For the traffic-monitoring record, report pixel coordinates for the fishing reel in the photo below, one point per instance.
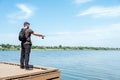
(42, 37)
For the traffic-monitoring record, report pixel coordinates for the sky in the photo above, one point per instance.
(94, 23)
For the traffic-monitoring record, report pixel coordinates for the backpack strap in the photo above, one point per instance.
(23, 29)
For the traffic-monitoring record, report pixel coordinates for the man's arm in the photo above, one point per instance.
(37, 34)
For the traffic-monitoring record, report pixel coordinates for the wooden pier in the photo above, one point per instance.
(12, 71)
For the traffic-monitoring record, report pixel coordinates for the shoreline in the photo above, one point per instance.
(63, 50)
(8, 47)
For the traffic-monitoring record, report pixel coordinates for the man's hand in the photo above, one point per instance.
(43, 35)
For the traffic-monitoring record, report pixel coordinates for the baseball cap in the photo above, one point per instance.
(26, 23)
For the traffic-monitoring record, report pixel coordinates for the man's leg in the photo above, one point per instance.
(22, 58)
(27, 53)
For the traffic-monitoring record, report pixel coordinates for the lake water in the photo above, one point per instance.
(74, 64)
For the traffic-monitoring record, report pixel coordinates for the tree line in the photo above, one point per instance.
(60, 47)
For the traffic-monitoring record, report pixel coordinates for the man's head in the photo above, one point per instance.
(26, 24)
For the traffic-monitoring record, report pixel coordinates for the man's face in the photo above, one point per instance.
(27, 25)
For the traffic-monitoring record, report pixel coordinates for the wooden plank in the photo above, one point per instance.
(51, 76)
(56, 79)
(12, 70)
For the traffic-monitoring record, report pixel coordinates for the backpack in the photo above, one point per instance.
(22, 36)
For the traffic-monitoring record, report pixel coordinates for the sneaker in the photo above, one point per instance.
(22, 67)
(29, 67)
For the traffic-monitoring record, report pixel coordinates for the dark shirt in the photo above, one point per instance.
(28, 33)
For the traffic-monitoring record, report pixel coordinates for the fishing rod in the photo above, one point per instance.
(46, 35)
(52, 35)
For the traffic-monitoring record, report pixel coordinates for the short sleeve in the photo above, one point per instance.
(31, 31)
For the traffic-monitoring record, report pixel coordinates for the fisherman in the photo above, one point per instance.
(26, 45)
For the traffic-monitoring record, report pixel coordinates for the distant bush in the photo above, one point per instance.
(60, 47)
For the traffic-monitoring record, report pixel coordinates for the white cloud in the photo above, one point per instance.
(98, 11)
(24, 12)
(82, 1)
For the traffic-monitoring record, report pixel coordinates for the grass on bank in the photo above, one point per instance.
(60, 47)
